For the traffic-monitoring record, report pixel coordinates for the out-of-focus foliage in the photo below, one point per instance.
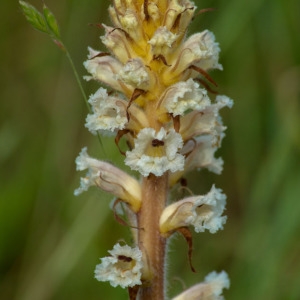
(50, 241)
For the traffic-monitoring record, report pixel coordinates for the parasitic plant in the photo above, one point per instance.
(158, 97)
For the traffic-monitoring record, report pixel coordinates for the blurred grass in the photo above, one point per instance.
(50, 240)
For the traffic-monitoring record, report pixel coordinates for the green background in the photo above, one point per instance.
(50, 240)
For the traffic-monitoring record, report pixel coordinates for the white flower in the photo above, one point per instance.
(210, 289)
(202, 212)
(183, 96)
(135, 74)
(205, 121)
(223, 101)
(199, 50)
(104, 68)
(202, 154)
(211, 59)
(109, 113)
(162, 41)
(207, 211)
(109, 178)
(123, 267)
(156, 153)
(83, 161)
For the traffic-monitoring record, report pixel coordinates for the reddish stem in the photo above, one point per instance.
(151, 243)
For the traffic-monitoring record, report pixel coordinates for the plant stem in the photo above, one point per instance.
(82, 90)
(78, 80)
(151, 243)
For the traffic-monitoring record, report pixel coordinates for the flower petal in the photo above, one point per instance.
(122, 268)
(156, 153)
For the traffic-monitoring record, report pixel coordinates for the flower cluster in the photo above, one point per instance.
(160, 98)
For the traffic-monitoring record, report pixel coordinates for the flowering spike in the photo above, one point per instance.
(162, 109)
(171, 126)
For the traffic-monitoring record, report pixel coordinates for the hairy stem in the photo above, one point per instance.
(151, 243)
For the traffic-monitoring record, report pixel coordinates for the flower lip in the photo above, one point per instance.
(109, 113)
(162, 41)
(135, 73)
(156, 152)
(123, 267)
(202, 212)
(184, 96)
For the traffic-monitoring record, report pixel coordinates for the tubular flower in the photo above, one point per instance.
(162, 41)
(202, 212)
(202, 132)
(200, 50)
(109, 113)
(206, 121)
(210, 289)
(135, 74)
(103, 68)
(108, 178)
(156, 153)
(122, 268)
(184, 96)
